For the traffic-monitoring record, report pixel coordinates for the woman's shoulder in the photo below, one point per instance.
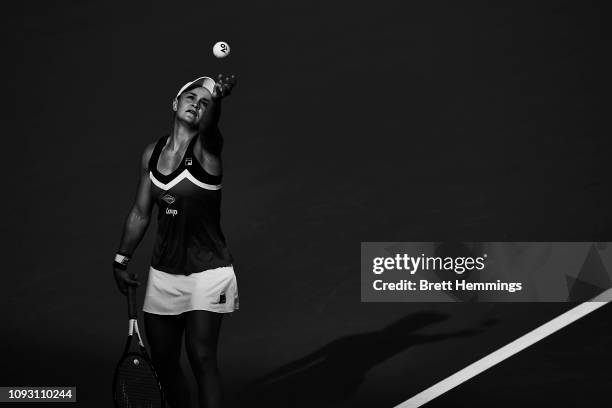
(210, 162)
(148, 152)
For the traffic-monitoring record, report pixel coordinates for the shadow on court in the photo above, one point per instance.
(333, 373)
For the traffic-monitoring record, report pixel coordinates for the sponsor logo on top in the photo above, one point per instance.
(168, 198)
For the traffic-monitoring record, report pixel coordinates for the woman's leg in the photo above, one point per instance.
(201, 335)
(164, 334)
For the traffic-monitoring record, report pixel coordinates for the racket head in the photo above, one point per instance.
(135, 383)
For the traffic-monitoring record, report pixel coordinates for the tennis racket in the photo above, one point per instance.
(135, 383)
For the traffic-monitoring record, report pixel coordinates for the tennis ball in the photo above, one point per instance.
(136, 362)
(221, 49)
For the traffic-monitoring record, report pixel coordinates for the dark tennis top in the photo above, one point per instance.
(189, 237)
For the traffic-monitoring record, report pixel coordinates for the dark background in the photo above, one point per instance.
(377, 121)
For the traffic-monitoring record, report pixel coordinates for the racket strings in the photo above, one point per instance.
(136, 385)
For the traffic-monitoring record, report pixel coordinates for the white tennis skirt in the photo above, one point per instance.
(215, 290)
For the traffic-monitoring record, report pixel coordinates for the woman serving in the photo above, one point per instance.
(191, 279)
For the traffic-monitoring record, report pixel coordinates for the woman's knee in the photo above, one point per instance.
(201, 355)
(201, 335)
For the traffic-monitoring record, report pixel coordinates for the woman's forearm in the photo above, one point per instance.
(136, 225)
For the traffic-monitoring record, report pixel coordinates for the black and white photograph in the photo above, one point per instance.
(322, 204)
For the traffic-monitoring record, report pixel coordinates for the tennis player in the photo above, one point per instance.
(191, 280)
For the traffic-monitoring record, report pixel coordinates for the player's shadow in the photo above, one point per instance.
(334, 372)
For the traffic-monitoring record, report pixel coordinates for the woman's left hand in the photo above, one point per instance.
(223, 86)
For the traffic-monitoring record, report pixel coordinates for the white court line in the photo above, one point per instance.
(508, 350)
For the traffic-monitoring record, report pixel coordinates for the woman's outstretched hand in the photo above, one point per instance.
(223, 86)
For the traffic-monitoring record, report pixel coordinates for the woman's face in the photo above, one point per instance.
(192, 104)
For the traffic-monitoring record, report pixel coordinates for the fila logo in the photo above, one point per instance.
(168, 198)
(171, 211)
(188, 161)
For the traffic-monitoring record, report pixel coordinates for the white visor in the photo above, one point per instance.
(204, 82)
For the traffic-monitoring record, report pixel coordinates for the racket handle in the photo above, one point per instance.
(131, 298)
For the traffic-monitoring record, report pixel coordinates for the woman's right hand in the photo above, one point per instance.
(125, 279)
